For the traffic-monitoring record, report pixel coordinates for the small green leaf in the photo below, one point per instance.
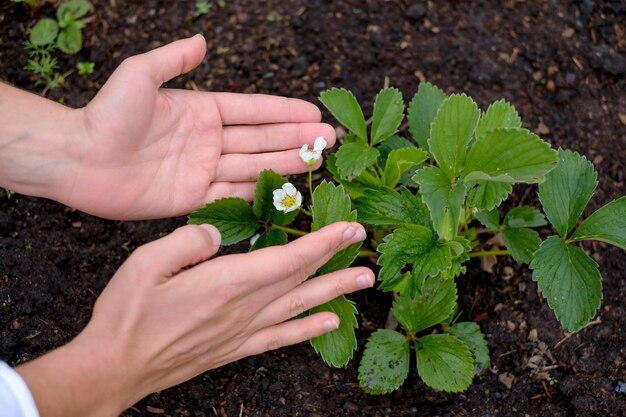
(394, 142)
(354, 187)
(429, 264)
(354, 158)
(344, 106)
(74, 8)
(385, 363)
(331, 204)
(451, 132)
(522, 243)
(70, 39)
(443, 199)
(444, 362)
(264, 201)
(400, 160)
(607, 224)
(469, 332)
(388, 114)
(272, 237)
(499, 114)
(44, 32)
(490, 219)
(386, 207)
(567, 190)
(233, 217)
(524, 216)
(509, 155)
(570, 281)
(461, 248)
(487, 195)
(431, 307)
(422, 111)
(399, 248)
(337, 347)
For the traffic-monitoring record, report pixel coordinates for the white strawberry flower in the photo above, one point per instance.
(287, 198)
(310, 157)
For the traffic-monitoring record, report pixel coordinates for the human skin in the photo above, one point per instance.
(139, 151)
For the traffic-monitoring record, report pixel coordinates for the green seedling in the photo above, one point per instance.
(85, 68)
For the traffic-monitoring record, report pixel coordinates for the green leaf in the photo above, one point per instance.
(430, 264)
(358, 185)
(570, 281)
(385, 363)
(233, 217)
(422, 111)
(344, 106)
(461, 248)
(522, 243)
(431, 307)
(400, 160)
(388, 114)
(489, 218)
(399, 248)
(443, 199)
(44, 32)
(386, 207)
(451, 132)
(469, 332)
(70, 39)
(444, 362)
(337, 347)
(264, 199)
(74, 8)
(354, 158)
(524, 216)
(487, 195)
(499, 114)
(331, 204)
(509, 155)
(607, 224)
(272, 237)
(394, 142)
(567, 190)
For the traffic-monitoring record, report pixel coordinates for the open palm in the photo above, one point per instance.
(148, 152)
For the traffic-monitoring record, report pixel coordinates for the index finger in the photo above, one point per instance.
(254, 109)
(297, 260)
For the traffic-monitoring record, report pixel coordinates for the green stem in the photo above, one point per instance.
(366, 253)
(305, 211)
(311, 183)
(289, 230)
(488, 253)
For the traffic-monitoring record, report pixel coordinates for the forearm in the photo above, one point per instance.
(36, 142)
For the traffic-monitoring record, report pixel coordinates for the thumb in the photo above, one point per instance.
(171, 60)
(186, 246)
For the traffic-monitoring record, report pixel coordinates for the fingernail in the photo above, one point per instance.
(216, 237)
(349, 233)
(360, 234)
(331, 324)
(364, 281)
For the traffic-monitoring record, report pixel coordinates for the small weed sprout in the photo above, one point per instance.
(85, 67)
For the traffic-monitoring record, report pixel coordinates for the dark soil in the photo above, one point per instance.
(562, 64)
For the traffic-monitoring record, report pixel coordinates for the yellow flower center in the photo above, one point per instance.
(289, 201)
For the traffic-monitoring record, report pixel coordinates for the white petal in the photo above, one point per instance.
(298, 199)
(289, 189)
(320, 143)
(279, 193)
(290, 209)
(253, 239)
(279, 206)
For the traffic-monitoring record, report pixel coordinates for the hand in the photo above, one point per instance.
(159, 323)
(149, 152)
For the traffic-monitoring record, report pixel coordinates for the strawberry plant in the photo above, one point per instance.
(423, 197)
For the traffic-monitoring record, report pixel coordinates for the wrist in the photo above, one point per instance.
(79, 379)
(37, 144)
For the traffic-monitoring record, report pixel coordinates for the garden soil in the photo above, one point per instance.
(561, 63)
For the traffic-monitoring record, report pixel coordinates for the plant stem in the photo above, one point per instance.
(305, 211)
(488, 253)
(289, 230)
(366, 253)
(311, 183)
